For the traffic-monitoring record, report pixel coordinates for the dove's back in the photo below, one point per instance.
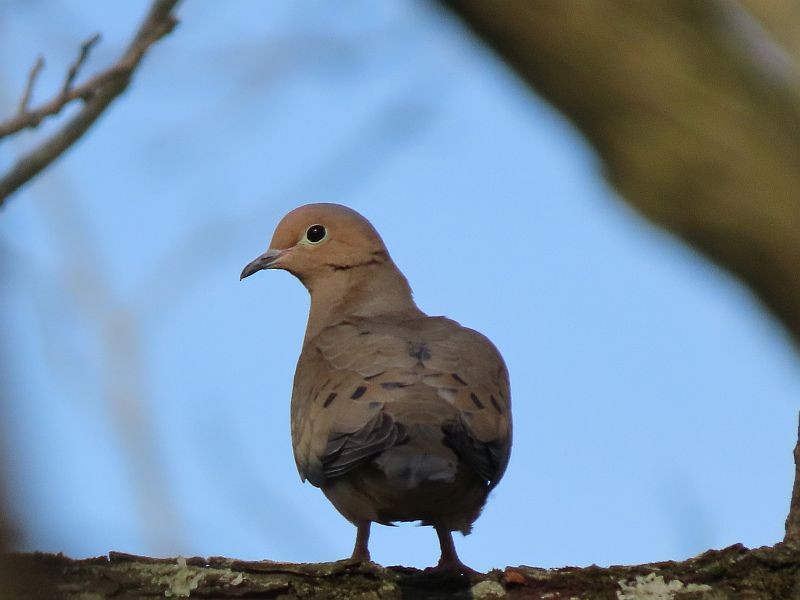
(402, 418)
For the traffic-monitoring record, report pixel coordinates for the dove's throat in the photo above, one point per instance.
(368, 291)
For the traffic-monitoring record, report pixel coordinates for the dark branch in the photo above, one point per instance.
(75, 67)
(32, 76)
(691, 108)
(97, 94)
(793, 520)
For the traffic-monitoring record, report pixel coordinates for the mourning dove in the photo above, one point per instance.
(395, 415)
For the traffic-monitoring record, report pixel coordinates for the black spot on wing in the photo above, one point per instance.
(359, 391)
(496, 404)
(393, 385)
(475, 400)
(329, 399)
(420, 351)
(458, 378)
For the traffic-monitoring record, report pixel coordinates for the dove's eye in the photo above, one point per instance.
(316, 233)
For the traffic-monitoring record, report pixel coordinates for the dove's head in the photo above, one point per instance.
(342, 260)
(317, 241)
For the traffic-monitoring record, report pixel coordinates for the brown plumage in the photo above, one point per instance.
(396, 416)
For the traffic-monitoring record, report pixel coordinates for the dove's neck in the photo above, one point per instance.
(363, 291)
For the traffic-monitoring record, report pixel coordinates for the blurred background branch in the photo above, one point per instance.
(694, 107)
(97, 94)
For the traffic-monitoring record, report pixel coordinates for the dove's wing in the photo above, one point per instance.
(364, 386)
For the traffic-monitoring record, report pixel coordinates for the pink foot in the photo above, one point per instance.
(361, 549)
(360, 556)
(449, 562)
(453, 567)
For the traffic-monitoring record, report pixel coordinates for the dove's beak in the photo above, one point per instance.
(265, 261)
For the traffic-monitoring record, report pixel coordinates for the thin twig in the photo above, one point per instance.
(32, 76)
(97, 93)
(74, 69)
(32, 118)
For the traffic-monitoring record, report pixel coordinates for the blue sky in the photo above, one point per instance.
(147, 394)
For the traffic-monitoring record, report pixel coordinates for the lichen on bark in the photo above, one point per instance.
(735, 572)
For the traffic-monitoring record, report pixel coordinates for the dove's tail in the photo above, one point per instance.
(423, 457)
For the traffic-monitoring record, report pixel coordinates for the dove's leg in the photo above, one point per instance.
(361, 549)
(449, 560)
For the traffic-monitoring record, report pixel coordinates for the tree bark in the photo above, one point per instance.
(735, 572)
(694, 108)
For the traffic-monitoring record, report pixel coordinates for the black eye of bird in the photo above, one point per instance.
(315, 233)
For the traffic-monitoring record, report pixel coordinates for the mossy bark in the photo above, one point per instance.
(732, 573)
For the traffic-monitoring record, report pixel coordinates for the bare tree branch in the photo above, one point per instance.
(30, 118)
(75, 67)
(26, 95)
(793, 520)
(97, 94)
